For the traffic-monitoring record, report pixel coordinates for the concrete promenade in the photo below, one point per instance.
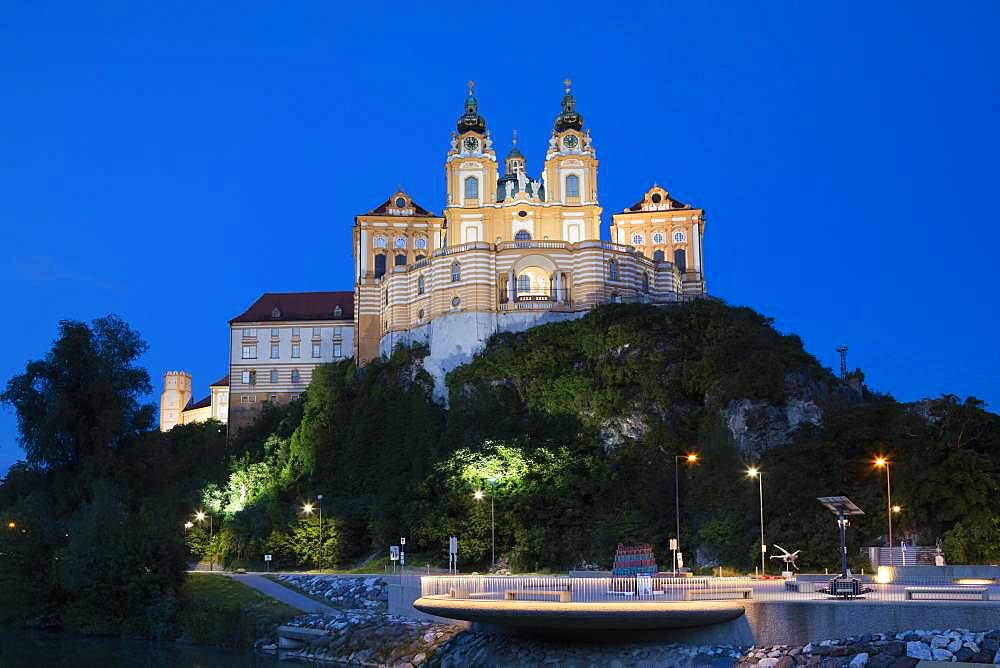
(280, 593)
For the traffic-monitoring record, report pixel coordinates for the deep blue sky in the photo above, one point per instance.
(169, 163)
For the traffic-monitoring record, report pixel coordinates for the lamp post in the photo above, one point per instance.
(754, 472)
(478, 496)
(319, 499)
(882, 462)
(307, 509)
(200, 517)
(690, 458)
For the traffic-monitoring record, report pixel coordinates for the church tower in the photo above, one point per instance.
(570, 173)
(174, 399)
(471, 169)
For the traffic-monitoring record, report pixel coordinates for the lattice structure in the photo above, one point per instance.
(632, 560)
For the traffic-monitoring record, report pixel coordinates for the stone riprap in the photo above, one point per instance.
(348, 593)
(365, 639)
(881, 650)
(480, 649)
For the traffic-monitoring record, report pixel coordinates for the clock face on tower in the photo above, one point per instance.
(471, 144)
(570, 141)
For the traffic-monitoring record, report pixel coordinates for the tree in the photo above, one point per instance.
(82, 399)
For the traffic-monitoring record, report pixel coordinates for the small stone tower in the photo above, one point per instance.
(175, 396)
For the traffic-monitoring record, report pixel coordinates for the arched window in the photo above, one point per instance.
(658, 256)
(636, 239)
(522, 235)
(572, 186)
(645, 282)
(379, 265)
(471, 187)
(420, 285)
(379, 242)
(523, 284)
(613, 270)
(680, 259)
(400, 260)
(420, 257)
(456, 272)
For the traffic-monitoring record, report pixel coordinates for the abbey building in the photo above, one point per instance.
(513, 249)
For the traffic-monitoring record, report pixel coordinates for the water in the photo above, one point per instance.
(36, 649)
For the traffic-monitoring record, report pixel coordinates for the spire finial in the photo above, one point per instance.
(399, 188)
(567, 82)
(515, 136)
(472, 85)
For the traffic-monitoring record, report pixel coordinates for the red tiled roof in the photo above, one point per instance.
(298, 306)
(222, 382)
(207, 401)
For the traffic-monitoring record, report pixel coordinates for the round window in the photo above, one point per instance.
(679, 237)
(455, 301)
(656, 198)
(400, 202)
(636, 239)
(400, 242)
(420, 242)
(522, 214)
(658, 238)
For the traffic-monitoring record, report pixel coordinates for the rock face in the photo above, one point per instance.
(882, 650)
(370, 594)
(758, 425)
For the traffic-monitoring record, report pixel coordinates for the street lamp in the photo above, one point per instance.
(754, 472)
(319, 499)
(882, 462)
(188, 525)
(200, 517)
(12, 524)
(690, 458)
(478, 496)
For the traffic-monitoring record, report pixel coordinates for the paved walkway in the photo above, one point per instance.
(282, 593)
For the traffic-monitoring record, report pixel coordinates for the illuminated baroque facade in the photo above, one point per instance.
(511, 250)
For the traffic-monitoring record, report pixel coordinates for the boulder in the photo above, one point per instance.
(917, 650)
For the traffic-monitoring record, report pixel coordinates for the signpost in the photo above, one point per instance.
(673, 548)
(402, 558)
(394, 556)
(267, 560)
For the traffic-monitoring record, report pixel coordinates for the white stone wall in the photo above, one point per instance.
(455, 339)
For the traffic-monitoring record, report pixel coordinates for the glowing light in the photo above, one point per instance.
(11, 525)
(478, 496)
(881, 461)
(753, 472)
(307, 509)
(896, 509)
(975, 581)
(188, 525)
(200, 516)
(692, 457)
(885, 575)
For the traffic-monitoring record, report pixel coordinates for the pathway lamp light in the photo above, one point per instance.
(882, 462)
(478, 496)
(200, 518)
(690, 458)
(12, 525)
(754, 472)
(188, 525)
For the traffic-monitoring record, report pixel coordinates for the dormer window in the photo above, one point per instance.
(338, 312)
(276, 313)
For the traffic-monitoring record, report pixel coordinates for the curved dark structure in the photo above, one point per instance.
(540, 616)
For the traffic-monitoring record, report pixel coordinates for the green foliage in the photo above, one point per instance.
(99, 506)
(82, 400)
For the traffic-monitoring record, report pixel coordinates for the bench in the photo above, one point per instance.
(561, 595)
(947, 593)
(713, 594)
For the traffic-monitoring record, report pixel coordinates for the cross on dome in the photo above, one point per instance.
(471, 86)
(567, 82)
